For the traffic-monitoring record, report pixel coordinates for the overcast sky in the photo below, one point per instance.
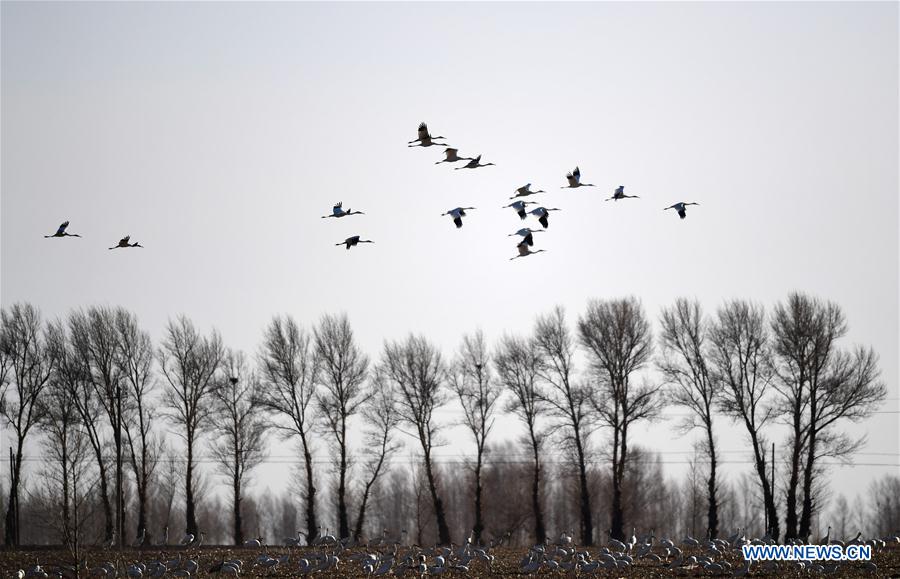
(216, 135)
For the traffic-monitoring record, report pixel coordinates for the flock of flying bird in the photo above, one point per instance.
(520, 206)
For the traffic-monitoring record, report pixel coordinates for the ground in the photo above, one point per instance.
(506, 563)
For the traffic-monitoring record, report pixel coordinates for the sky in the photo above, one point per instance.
(218, 134)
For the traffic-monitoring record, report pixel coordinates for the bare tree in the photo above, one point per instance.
(189, 363)
(471, 380)
(290, 369)
(380, 413)
(95, 340)
(518, 364)
(742, 364)
(617, 336)
(568, 401)
(241, 430)
(685, 365)
(343, 373)
(416, 369)
(26, 366)
(135, 360)
(821, 385)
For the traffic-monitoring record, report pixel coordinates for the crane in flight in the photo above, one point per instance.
(574, 179)
(526, 234)
(543, 215)
(425, 139)
(525, 191)
(354, 241)
(124, 243)
(680, 208)
(525, 250)
(450, 156)
(61, 232)
(474, 164)
(457, 215)
(620, 194)
(519, 207)
(338, 211)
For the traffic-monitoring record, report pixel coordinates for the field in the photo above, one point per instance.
(505, 564)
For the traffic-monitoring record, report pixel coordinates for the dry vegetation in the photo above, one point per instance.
(506, 564)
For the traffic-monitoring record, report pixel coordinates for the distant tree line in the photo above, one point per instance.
(98, 399)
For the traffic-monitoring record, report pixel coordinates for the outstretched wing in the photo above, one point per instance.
(124, 240)
(523, 248)
(62, 228)
(577, 173)
(423, 131)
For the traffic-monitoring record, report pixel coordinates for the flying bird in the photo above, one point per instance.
(61, 232)
(124, 243)
(525, 251)
(526, 233)
(338, 211)
(680, 208)
(425, 139)
(620, 194)
(353, 241)
(474, 164)
(525, 191)
(574, 179)
(450, 156)
(519, 206)
(457, 215)
(543, 215)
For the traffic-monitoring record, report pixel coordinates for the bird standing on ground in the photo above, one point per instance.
(543, 215)
(425, 139)
(474, 164)
(457, 215)
(620, 194)
(680, 208)
(526, 233)
(338, 211)
(574, 179)
(450, 156)
(61, 232)
(525, 251)
(519, 206)
(124, 243)
(525, 191)
(353, 241)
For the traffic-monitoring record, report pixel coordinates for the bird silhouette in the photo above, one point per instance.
(474, 164)
(525, 191)
(457, 215)
(353, 241)
(574, 179)
(425, 139)
(451, 156)
(338, 211)
(680, 208)
(61, 232)
(620, 194)
(124, 243)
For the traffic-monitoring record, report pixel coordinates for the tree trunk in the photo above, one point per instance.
(12, 531)
(312, 527)
(806, 514)
(479, 523)
(190, 515)
(443, 530)
(343, 522)
(238, 522)
(587, 525)
(768, 495)
(712, 523)
(540, 531)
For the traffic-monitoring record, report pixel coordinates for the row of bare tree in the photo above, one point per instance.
(103, 398)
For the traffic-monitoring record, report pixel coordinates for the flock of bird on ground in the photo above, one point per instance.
(384, 556)
(425, 139)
